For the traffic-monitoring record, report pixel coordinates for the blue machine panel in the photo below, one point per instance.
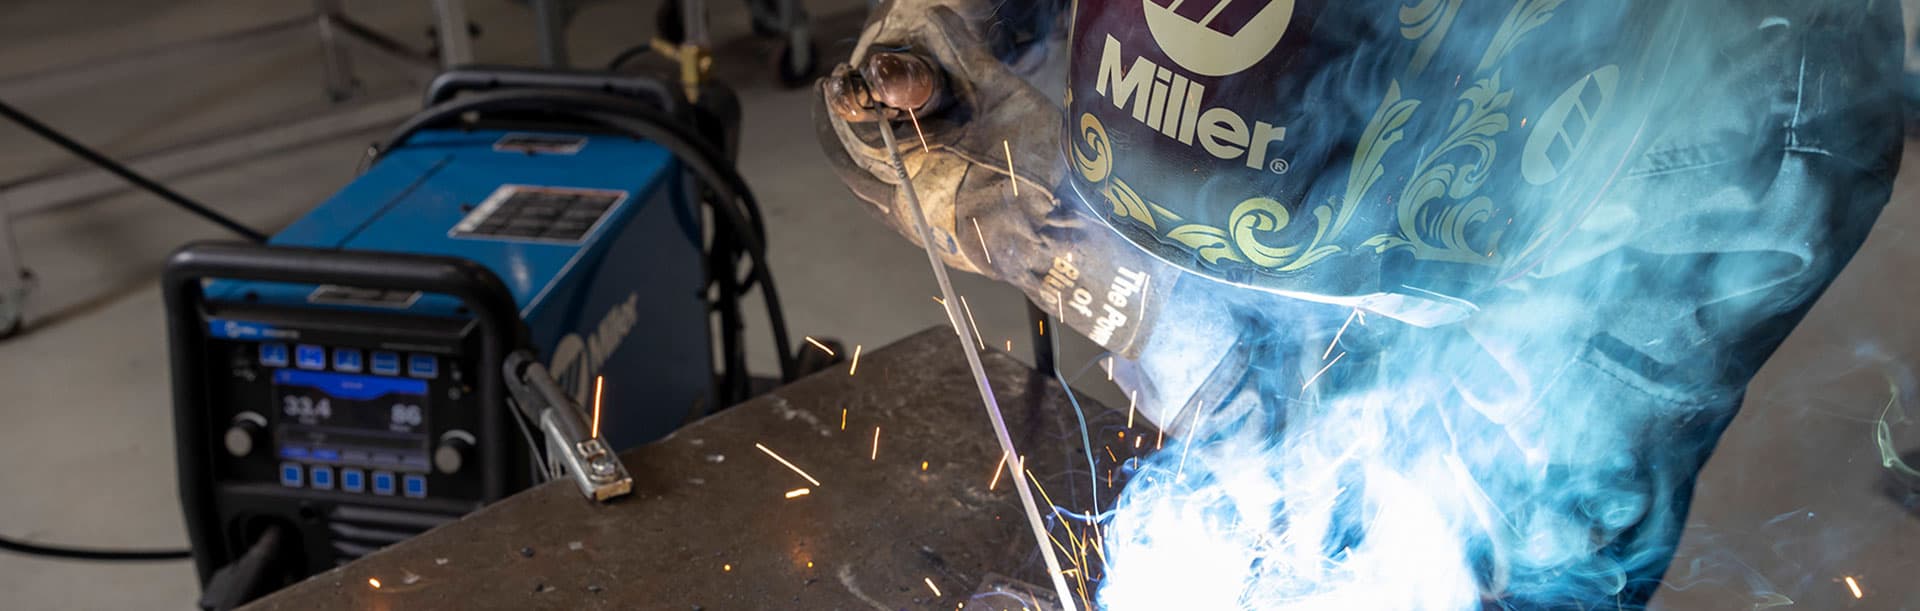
(618, 296)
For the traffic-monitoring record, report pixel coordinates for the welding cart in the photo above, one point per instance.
(381, 366)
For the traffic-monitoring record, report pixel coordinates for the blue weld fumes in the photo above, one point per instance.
(1542, 453)
(1386, 490)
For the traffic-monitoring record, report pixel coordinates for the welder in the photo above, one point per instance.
(1584, 226)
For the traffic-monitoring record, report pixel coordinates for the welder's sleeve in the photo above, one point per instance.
(1749, 202)
(987, 165)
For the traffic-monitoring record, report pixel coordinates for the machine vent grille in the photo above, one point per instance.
(358, 531)
(539, 214)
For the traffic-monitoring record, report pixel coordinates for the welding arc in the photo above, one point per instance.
(79, 553)
(125, 173)
(734, 206)
(964, 330)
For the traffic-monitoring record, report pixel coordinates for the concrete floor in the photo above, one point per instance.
(1790, 504)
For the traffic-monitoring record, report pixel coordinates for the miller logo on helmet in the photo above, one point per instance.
(1217, 37)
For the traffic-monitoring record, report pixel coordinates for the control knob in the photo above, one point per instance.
(456, 447)
(246, 432)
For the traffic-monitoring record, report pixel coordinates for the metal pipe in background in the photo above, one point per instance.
(550, 27)
(335, 65)
(450, 25)
(13, 280)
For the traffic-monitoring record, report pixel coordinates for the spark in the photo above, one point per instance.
(923, 465)
(788, 464)
(930, 586)
(996, 471)
(1109, 369)
(876, 445)
(938, 300)
(1157, 440)
(809, 564)
(374, 581)
(1336, 336)
(1043, 326)
(1323, 370)
(983, 240)
(727, 568)
(843, 418)
(1133, 398)
(598, 383)
(1070, 571)
(1193, 431)
(975, 326)
(856, 362)
(1009, 345)
(823, 347)
(1110, 454)
(1855, 586)
(1011, 177)
(1056, 507)
(916, 130)
(799, 492)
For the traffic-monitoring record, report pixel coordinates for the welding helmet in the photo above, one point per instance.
(1393, 155)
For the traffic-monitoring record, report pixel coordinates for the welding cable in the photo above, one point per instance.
(100, 555)
(125, 173)
(736, 206)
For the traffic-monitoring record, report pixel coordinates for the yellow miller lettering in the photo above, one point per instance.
(1170, 103)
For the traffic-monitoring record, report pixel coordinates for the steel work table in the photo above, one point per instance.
(710, 525)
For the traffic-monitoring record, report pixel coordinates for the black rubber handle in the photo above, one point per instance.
(484, 295)
(648, 90)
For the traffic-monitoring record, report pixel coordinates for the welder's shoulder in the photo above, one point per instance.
(1767, 82)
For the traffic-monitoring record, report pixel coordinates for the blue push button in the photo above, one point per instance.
(347, 360)
(308, 356)
(353, 480)
(386, 363)
(423, 365)
(273, 355)
(290, 474)
(383, 482)
(322, 477)
(416, 486)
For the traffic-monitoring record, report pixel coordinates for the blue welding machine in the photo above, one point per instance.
(341, 388)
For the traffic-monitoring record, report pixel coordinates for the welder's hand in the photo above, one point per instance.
(887, 85)
(927, 61)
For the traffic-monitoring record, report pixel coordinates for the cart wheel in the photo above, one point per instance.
(765, 17)
(797, 63)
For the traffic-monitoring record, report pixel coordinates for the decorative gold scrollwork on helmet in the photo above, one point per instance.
(1094, 157)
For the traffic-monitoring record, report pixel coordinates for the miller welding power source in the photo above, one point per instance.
(346, 386)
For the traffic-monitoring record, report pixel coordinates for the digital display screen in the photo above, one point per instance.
(377, 421)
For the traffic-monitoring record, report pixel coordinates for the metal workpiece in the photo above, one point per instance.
(717, 521)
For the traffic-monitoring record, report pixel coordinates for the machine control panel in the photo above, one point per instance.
(362, 418)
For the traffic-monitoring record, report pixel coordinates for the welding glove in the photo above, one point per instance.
(933, 58)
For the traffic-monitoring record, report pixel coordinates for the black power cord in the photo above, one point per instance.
(81, 553)
(125, 173)
(742, 232)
